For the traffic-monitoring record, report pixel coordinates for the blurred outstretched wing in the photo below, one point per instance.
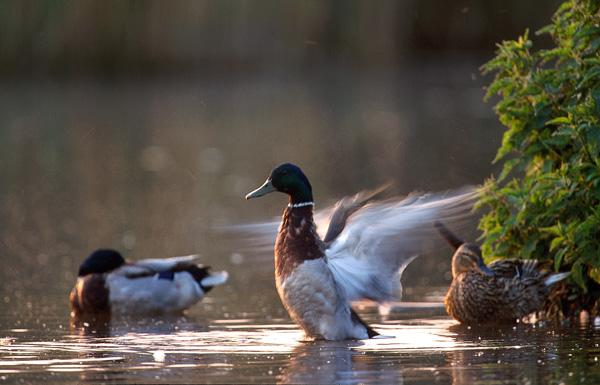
(260, 236)
(380, 239)
(330, 221)
(344, 208)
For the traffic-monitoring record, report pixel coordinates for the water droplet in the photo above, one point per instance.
(159, 356)
(236, 258)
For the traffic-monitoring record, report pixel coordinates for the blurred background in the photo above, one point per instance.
(140, 125)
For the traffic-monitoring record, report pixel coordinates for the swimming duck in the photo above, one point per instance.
(503, 292)
(107, 283)
(362, 255)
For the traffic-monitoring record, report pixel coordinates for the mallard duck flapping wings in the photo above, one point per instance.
(363, 253)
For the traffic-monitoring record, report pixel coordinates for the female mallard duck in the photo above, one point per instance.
(106, 283)
(363, 254)
(503, 292)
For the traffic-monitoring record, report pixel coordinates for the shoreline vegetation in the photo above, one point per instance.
(545, 204)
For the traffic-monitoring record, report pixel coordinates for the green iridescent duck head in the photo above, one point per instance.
(468, 258)
(288, 179)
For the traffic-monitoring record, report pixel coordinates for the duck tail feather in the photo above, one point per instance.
(370, 332)
(533, 268)
(449, 236)
(214, 279)
(554, 278)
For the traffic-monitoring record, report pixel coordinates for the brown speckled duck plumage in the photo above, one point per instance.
(474, 298)
(503, 292)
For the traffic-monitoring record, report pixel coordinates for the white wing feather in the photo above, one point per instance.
(381, 239)
(164, 264)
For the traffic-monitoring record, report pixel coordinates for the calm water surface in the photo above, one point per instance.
(152, 169)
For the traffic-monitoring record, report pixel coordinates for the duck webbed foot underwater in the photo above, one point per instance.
(367, 245)
(502, 292)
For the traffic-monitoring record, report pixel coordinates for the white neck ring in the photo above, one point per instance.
(302, 204)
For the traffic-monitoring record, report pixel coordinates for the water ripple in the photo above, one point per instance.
(243, 349)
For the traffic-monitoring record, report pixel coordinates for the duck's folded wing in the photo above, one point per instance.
(166, 264)
(380, 239)
(521, 268)
(157, 265)
(153, 293)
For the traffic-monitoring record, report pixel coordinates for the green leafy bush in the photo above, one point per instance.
(545, 204)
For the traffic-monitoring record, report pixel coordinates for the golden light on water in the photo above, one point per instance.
(151, 349)
(421, 348)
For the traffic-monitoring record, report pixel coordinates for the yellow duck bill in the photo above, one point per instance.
(266, 188)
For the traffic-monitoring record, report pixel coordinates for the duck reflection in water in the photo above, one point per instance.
(103, 325)
(497, 346)
(331, 362)
(90, 325)
(123, 344)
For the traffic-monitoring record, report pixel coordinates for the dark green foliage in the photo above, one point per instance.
(545, 204)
